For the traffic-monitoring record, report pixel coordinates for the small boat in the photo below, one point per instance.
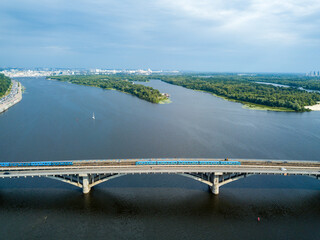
(93, 117)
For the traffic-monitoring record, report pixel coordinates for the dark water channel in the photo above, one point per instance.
(53, 122)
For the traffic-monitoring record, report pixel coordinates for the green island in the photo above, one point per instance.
(122, 83)
(5, 83)
(246, 90)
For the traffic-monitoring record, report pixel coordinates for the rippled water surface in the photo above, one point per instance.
(53, 122)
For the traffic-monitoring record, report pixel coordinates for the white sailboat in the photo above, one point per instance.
(93, 117)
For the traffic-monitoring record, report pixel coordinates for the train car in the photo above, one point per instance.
(209, 162)
(26, 164)
(167, 162)
(163, 162)
(188, 162)
(146, 162)
(229, 163)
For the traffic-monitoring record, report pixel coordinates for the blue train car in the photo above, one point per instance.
(163, 162)
(188, 162)
(209, 162)
(25, 164)
(146, 162)
(167, 162)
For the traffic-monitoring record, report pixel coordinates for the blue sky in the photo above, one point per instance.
(199, 35)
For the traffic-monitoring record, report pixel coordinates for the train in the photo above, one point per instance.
(26, 164)
(139, 162)
(226, 162)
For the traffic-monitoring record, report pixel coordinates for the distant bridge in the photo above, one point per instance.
(86, 174)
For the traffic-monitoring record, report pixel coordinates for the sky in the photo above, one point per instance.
(186, 35)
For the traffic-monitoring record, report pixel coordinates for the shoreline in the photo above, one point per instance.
(315, 107)
(255, 106)
(165, 101)
(160, 101)
(14, 100)
(249, 105)
(246, 105)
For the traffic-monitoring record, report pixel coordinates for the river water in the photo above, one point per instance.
(53, 122)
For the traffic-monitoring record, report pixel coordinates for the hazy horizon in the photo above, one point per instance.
(186, 35)
(164, 70)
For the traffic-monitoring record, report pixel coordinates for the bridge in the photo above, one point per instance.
(86, 174)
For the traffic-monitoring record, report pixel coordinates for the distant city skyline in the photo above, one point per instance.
(38, 72)
(184, 35)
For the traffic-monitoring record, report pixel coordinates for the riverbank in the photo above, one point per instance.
(120, 84)
(165, 101)
(242, 90)
(14, 99)
(252, 106)
(315, 107)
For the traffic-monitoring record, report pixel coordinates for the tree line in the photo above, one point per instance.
(121, 83)
(246, 90)
(5, 83)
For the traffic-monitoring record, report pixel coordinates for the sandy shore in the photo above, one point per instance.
(314, 107)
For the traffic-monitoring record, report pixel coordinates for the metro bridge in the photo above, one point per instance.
(86, 174)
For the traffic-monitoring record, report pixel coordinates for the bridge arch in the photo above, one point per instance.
(85, 181)
(216, 180)
(213, 180)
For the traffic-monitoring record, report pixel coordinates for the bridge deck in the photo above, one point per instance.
(88, 173)
(128, 166)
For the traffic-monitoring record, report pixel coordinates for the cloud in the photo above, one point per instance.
(283, 22)
(196, 33)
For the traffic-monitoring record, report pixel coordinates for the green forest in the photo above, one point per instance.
(5, 83)
(241, 88)
(246, 90)
(121, 83)
(310, 83)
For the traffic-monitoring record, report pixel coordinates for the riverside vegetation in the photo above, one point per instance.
(245, 89)
(5, 83)
(121, 83)
(240, 88)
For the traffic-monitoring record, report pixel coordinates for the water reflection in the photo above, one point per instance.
(53, 122)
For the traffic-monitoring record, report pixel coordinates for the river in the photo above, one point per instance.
(53, 122)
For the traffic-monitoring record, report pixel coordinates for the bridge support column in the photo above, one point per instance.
(85, 183)
(215, 186)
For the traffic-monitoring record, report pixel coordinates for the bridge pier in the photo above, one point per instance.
(85, 183)
(215, 182)
(215, 189)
